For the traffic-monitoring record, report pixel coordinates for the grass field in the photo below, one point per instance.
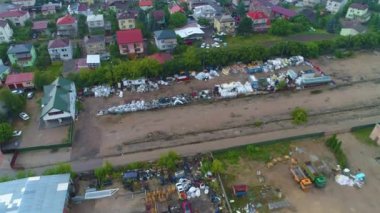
(363, 135)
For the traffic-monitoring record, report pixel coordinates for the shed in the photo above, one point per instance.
(20, 81)
(93, 61)
(240, 190)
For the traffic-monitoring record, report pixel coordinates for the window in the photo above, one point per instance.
(65, 55)
(55, 113)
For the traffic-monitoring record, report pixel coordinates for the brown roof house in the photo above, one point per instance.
(60, 49)
(351, 28)
(95, 44)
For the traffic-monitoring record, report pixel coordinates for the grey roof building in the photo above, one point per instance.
(165, 39)
(41, 194)
(19, 48)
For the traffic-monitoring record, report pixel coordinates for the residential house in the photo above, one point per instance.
(194, 3)
(165, 39)
(245, 2)
(352, 28)
(191, 31)
(130, 41)
(145, 4)
(358, 12)
(67, 26)
(95, 44)
(118, 6)
(225, 24)
(48, 9)
(23, 55)
(310, 15)
(158, 17)
(95, 23)
(20, 81)
(81, 63)
(58, 103)
(204, 11)
(310, 3)
(40, 27)
(88, 2)
(4, 71)
(126, 20)
(333, 6)
(83, 9)
(175, 8)
(24, 3)
(260, 21)
(4, 7)
(161, 57)
(282, 12)
(60, 49)
(262, 5)
(53, 192)
(6, 32)
(17, 17)
(93, 61)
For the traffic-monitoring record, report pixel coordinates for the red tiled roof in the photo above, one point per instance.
(40, 25)
(145, 3)
(161, 57)
(59, 42)
(255, 15)
(283, 11)
(12, 14)
(67, 19)
(19, 78)
(129, 36)
(175, 9)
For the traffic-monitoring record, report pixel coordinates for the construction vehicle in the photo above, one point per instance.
(301, 178)
(318, 179)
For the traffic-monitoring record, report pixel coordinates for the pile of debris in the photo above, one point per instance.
(233, 89)
(141, 85)
(102, 91)
(141, 105)
(204, 76)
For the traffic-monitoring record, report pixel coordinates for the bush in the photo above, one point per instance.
(335, 147)
(169, 160)
(299, 116)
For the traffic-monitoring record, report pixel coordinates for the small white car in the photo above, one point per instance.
(30, 95)
(16, 133)
(24, 116)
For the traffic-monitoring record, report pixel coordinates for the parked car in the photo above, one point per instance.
(17, 133)
(17, 91)
(30, 95)
(24, 116)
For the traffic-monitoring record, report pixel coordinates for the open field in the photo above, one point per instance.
(332, 198)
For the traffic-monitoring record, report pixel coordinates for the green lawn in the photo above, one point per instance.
(252, 39)
(363, 136)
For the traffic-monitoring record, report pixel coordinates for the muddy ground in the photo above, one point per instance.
(332, 198)
(111, 135)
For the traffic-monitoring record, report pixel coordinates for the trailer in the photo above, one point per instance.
(318, 179)
(301, 178)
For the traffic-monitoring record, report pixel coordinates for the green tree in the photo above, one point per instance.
(82, 26)
(281, 27)
(52, 26)
(177, 20)
(217, 166)
(203, 22)
(191, 59)
(333, 25)
(14, 104)
(103, 172)
(110, 16)
(299, 116)
(77, 51)
(45, 77)
(241, 9)
(245, 26)
(6, 132)
(3, 51)
(43, 57)
(25, 174)
(169, 160)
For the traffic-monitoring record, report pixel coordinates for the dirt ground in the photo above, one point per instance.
(34, 159)
(110, 135)
(32, 134)
(332, 198)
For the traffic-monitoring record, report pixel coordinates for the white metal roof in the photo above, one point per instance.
(100, 194)
(95, 17)
(93, 59)
(188, 31)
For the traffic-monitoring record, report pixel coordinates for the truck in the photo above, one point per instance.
(300, 177)
(318, 179)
